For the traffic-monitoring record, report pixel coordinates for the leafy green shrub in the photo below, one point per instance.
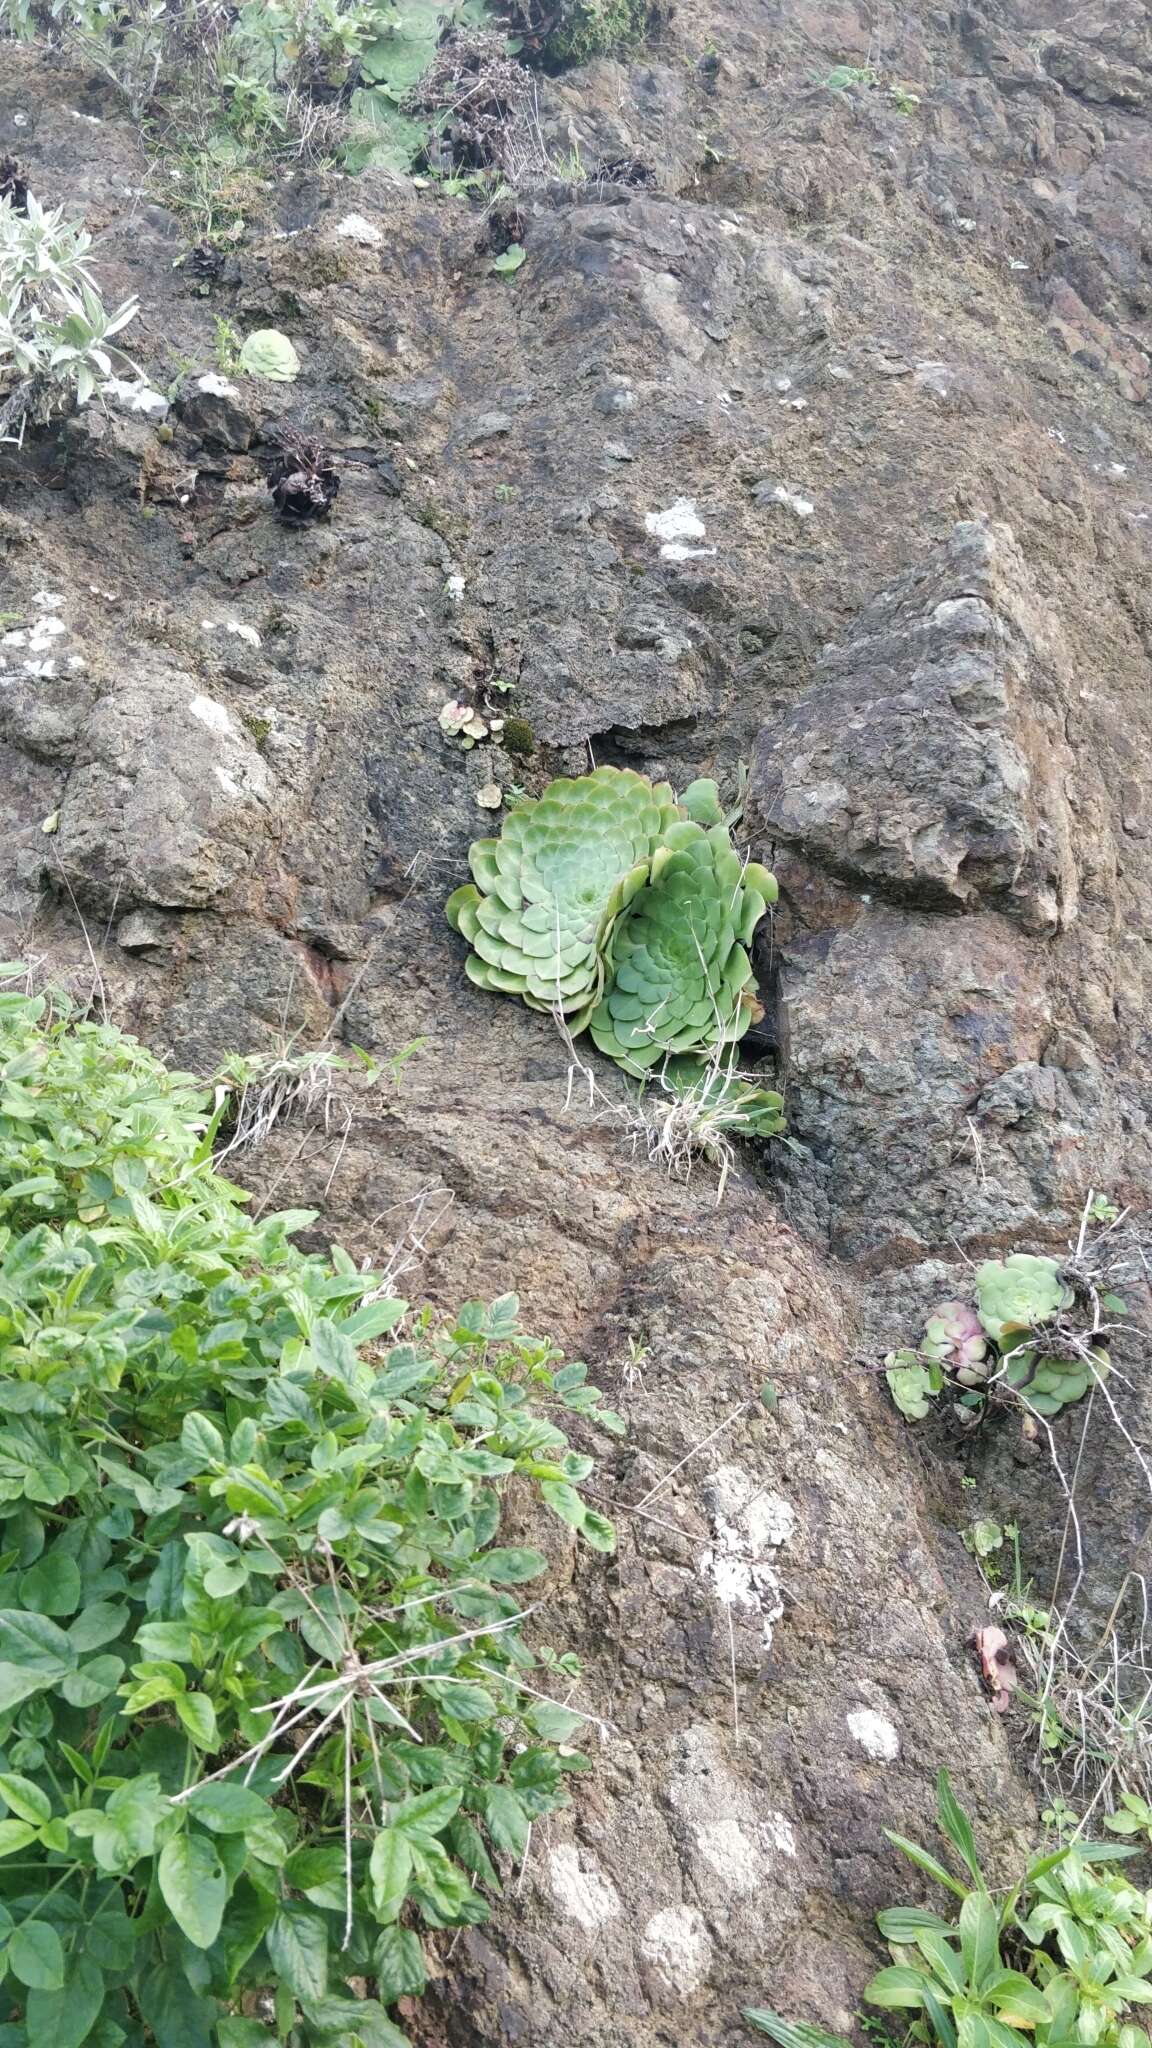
(265, 1706)
(1060, 1959)
(1025, 1341)
(579, 30)
(260, 76)
(625, 912)
(55, 334)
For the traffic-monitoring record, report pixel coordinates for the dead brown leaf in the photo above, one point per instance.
(997, 1664)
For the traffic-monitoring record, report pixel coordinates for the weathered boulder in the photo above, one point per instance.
(168, 801)
(928, 761)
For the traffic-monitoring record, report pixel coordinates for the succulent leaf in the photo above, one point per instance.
(1017, 1292)
(953, 1338)
(911, 1383)
(682, 981)
(701, 800)
(548, 890)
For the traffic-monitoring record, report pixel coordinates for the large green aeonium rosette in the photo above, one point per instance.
(545, 894)
(680, 980)
(627, 911)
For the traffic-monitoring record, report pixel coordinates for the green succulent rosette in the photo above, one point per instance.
(680, 979)
(545, 894)
(1050, 1384)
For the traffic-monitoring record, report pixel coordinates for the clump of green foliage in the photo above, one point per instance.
(56, 338)
(578, 30)
(1062, 1958)
(321, 77)
(627, 913)
(266, 1707)
(1032, 1339)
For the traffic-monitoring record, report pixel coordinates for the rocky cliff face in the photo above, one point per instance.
(825, 451)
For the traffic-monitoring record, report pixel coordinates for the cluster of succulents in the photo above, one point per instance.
(1012, 1343)
(625, 910)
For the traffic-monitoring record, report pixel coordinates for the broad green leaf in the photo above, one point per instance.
(513, 1567)
(227, 1809)
(34, 1643)
(399, 1965)
(510, 260)
(506, 1820)
(202, 1438)
(467, 1845)
(563, 1501)
(375, 1319)
(297, 1944)
(979, 1936)
(902, 1924)
(93, 1682)
(36, 1957)
(198, 1716)
(339, 2022)
(249, 1916)
(99, 1624)
(1015, 1998)
(14, 1835)
(598, 1531)
(896, 1988)
(24, 1799)
(390, 1870)
(555, 1723)
(52, 1585)
(177, 2015)
(64, 2018)
(194, 1887)
(946, 1964)
(428, 1812)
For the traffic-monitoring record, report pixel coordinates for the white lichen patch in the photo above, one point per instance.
(356, 229)
(129, 396)
(247, 633)
(215, 716)
(38, 637)
(581, 1888)
(802, 508)
(736, 1850)
(677, 526)
(216, 386)
(749, 1524)
(877, 1736)
(780, 1833)
(675, 551)
(677, 1944)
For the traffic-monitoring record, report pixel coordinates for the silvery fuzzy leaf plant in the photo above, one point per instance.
(56, 337)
